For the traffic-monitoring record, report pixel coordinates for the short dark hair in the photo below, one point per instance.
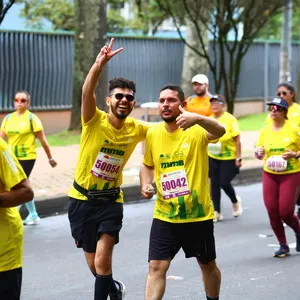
(174, 87)
(289, 86)
(24, 92)
(122, 83)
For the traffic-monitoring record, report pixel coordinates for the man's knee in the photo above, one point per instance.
(158, 267)
(209, 267)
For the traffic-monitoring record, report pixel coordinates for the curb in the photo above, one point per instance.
(59, 205)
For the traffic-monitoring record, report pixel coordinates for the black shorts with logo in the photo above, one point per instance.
(196, 240)
(88, 222)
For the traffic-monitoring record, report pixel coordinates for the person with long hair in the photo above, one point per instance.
(279, 146)
(21, 128)
(224, 159)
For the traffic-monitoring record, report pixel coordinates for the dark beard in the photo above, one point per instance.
(201, 94)
(120, 116)
(170, 119)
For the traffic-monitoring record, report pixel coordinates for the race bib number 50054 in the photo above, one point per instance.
(107, 166)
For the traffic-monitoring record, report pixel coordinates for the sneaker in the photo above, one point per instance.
(120, 294)
(31, 220)
(237, 208)
(218, 217)
(283, 251)
(298, 242)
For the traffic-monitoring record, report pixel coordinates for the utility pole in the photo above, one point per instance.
(286, 48)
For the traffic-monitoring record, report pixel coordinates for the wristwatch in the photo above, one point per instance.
(239, 159)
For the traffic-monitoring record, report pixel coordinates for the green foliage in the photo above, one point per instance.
(273, 27)
(59, 12)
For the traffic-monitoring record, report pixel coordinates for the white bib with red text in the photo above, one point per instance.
(276, 163)
(106, 166)
(174, 184)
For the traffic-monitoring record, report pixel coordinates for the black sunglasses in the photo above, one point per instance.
(282, 93)
(275, 108)
(120, 96)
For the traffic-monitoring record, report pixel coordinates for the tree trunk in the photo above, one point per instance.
(192, 62)
(90, 36)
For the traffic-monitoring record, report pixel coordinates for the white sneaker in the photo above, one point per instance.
(237, 208)
(218, 217)
(31, 220)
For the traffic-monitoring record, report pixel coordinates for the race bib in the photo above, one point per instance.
(174, 184)
(276, 163)
(215, 149)
(106, 166)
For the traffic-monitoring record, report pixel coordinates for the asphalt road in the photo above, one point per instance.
(54, 269)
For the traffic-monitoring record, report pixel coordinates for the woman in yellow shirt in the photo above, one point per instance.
(287, 92)
(279, 146)
(21, 128)
(224, 159)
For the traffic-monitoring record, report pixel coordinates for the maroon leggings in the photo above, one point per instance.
(279, 192)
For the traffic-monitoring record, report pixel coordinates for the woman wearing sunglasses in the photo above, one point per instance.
(224, 159)
(279, 146)
(20, 128)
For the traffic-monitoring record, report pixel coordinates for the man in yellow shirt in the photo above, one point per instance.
(96, 201)
(15, 189)
(183, 213)
(199, 103)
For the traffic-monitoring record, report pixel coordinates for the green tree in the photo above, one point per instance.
(61, 14)
(4, 7)
(273, 27)
(233, 24)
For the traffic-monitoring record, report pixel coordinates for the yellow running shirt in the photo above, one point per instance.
(199, 105)
(20, 133)
(293, 114)
(104, 152)
(11, 227)
(181, 173)
(276, 143)
(225, 148)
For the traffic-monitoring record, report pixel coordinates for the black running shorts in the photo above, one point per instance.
(10, 284)
(196, 240)
(88, 222)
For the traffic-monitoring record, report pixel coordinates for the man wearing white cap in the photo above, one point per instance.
(199, 103)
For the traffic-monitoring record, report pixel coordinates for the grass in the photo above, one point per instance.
(252, 122)
(65, 138)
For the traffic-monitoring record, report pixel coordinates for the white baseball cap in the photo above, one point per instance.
(200, 78)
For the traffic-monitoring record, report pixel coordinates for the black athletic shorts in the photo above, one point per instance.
(88, 222)
(10, 284)
(27, 165)
(196, 240)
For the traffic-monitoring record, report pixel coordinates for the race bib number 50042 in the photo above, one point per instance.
(107, 166)
(174, 184)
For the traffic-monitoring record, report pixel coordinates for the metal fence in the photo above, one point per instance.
(42, 63)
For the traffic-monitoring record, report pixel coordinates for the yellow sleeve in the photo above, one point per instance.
(260, 140)
(36, 123)
(148, 159)
(11, 172)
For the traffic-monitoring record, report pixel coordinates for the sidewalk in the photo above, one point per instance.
(52, 185)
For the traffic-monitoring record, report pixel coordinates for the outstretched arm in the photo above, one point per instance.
(88, 105)
(214, 129)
